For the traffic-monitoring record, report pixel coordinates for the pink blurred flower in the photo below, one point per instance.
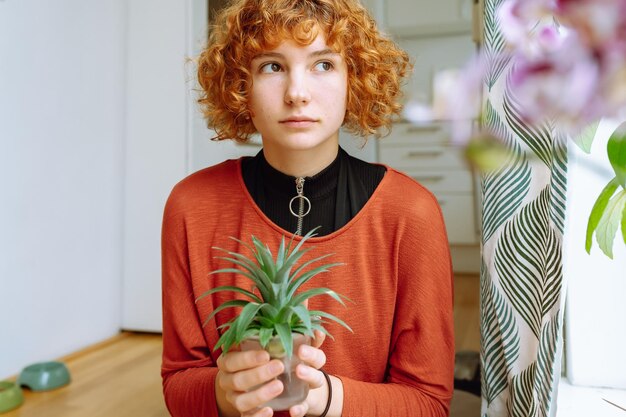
(519, 17)
(558, 85)
(597, 21)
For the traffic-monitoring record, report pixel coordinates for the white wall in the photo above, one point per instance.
(595, 312)
(61, 176)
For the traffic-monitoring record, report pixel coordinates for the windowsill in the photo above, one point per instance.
(574, 401)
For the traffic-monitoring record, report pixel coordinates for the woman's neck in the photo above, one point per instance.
(301, 163)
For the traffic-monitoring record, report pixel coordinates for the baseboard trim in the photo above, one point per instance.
(91, 348)
(99, 345)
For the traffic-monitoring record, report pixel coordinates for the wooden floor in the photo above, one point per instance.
(467, 312)
(120, 377)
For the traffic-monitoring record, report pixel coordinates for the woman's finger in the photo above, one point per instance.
(238, 361)
(250, 378)
(318, 338)
(312, 356)
(312, 376)
(299, 410)
(263, 412)
(248, 402)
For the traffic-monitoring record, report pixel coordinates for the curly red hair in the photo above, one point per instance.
(376, 66)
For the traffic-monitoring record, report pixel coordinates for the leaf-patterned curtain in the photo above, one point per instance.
(522, 294)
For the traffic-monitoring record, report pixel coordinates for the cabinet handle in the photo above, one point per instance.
(421, 154)
(428, 178)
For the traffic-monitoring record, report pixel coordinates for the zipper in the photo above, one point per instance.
(301, 203)
(300, 192)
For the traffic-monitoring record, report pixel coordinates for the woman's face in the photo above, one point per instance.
(298, 97)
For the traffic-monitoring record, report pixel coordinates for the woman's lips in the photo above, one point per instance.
(298, 123)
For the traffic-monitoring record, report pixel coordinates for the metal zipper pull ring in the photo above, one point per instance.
(302, 200)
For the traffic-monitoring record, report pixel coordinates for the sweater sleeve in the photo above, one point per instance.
(420, 376)
(188, 370)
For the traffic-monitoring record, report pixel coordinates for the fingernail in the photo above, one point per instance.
(298, 409)
(276, 367)
(305, 352)
(266, 412)
(275, 387)
(303, 371)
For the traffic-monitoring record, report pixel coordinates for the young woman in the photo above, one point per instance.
(296, 71)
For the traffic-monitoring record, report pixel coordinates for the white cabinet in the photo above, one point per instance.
(423, 153)
(437, 34)
(409, 18)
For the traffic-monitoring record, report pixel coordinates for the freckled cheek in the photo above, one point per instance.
(338, 91)
(340, 102)
(341, 93)
(268, 114)
(259, 104)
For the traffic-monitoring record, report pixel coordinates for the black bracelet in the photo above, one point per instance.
(330, 393)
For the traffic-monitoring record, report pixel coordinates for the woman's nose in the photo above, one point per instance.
(297, 91)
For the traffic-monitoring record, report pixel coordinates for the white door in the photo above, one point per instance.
(161, 36)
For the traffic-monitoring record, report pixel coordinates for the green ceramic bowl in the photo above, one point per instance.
(10, 396)
(44, 376)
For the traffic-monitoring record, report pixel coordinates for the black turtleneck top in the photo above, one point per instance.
(337, 193)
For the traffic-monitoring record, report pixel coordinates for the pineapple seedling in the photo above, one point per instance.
(277, 311)
(274, 316)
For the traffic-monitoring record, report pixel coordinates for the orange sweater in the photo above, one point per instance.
(398, 362)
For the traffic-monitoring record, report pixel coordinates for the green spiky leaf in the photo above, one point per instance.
(280, 256)
(323, 330)
(245, 318)
(296, 284)
(265, 334)
(270, 310)
(226, 340)
(331, 317)
(227, 304)
(258, 277)
(247, 293)
(284, 333)
(302, 297)
(284, 272)
(278, 311)
(264, 257)
(304, 316)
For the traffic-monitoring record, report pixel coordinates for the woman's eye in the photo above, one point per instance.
(323, 66)
(270, 67)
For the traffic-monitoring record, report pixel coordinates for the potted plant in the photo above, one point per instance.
(274, 316)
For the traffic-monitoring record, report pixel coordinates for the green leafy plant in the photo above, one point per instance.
(609, 210)
(278, 310)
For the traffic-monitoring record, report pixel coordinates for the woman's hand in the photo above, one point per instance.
(238, 373)
(313, 359)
